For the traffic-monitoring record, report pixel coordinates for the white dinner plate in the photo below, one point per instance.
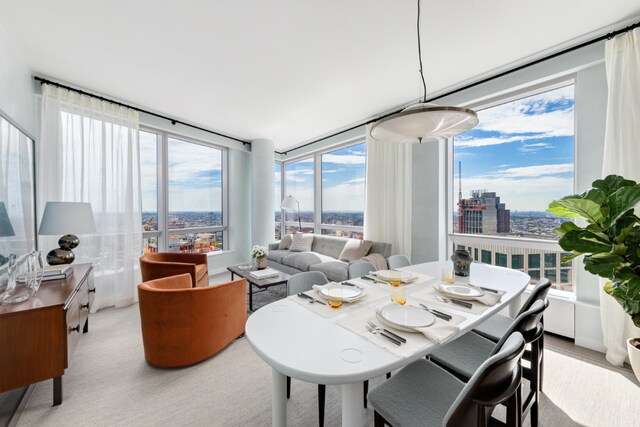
(393, 325)
(347, 292)
(460, 291)
(405, 276)
(406, 316)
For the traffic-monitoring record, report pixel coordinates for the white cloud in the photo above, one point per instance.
(534, 171)
(345, 159)
(347, 196)
(356, 180)
(534, 148)
(484, 142)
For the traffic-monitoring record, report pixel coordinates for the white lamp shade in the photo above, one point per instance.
(6, 230)
(289, 203)
(67, 218)
(424, 122)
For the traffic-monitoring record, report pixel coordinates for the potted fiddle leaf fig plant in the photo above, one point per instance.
(610, 242)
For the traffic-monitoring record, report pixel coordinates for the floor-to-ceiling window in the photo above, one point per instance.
(343, 191)
(184, 197)
(329, 185)
(299, 183)
(277, 183)
(506, 171)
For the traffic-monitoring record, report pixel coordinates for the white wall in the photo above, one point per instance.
(16, 86)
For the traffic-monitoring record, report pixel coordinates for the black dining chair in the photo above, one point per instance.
(303, 282)
(496, 326)
(425, 394)
(462, 356)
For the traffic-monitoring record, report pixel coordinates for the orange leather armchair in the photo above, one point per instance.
(165, 264)
(182, 325)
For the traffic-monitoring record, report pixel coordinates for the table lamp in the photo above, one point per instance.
(66, 217)
(288, 204)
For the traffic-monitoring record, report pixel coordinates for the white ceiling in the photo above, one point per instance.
(288, 70)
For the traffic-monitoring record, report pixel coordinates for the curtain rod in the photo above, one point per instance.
(173, 121)
(479, 82)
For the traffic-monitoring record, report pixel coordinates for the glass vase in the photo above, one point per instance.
(25, 277)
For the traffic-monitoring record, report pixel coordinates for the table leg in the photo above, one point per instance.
(250, 296)
(278, 399)
(352, 411)
(514, 308)
(57, 391)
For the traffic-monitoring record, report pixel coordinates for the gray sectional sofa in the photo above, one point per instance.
(324, 257)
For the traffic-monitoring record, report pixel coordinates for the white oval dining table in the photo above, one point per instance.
(299, 343)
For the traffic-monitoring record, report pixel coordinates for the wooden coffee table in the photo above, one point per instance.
(262, 284)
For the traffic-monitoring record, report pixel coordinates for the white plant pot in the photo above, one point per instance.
(634, 356)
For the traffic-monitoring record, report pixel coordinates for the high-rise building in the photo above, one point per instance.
(482, 213)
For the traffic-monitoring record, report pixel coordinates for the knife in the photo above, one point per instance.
(351, 284)
(390, 338)
(495, 291)
(440, 314)
(303, 295)
(396, 336)
(461, 303)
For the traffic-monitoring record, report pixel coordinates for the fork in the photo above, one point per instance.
(389, 337)
(393, 334)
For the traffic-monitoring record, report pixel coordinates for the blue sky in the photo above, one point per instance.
(523, 150)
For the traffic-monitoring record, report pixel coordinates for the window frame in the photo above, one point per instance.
(162, 152)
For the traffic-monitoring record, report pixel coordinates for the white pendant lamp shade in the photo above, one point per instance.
(424, 123)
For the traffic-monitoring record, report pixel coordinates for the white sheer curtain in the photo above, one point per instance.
(387, 212)
(89, 152)
(621, 157)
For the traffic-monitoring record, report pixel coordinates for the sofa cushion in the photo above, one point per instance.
(335, 271)
(285, 243)
(301, 242)
(328, 245)
(277, 255)
(303, 260)
(355, 249)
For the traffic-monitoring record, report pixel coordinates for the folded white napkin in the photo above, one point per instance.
(318, 288)
(490, 298)
(439, 331)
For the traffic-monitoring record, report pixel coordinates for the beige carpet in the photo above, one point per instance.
(109, 383)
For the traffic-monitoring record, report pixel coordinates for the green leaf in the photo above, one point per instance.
(571, 256)
(602, 264)
(566, 227)
(621, 230)
(583, 241)
(595, 195)
(611, 184)
(628, 295)
(621, 202)
(575, 207)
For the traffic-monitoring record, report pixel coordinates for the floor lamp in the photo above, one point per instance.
(289, 203)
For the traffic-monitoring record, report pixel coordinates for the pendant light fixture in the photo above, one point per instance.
(423, 121)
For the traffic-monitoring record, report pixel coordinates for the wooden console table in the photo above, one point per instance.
(38, 336)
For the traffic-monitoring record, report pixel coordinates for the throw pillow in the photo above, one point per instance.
(355, 249)
(285, 243)
(301, 242)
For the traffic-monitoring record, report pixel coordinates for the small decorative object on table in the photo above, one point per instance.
(259, 254)
(461, 262)
(25, 276)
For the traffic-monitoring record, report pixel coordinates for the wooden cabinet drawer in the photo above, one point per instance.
(74, 327)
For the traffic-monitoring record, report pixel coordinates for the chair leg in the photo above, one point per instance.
(365, 391)
(541, 340)
(378, 420)
(288, 387)
(322, 390)
(535, 381)
(513, 410)
(388, 375)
